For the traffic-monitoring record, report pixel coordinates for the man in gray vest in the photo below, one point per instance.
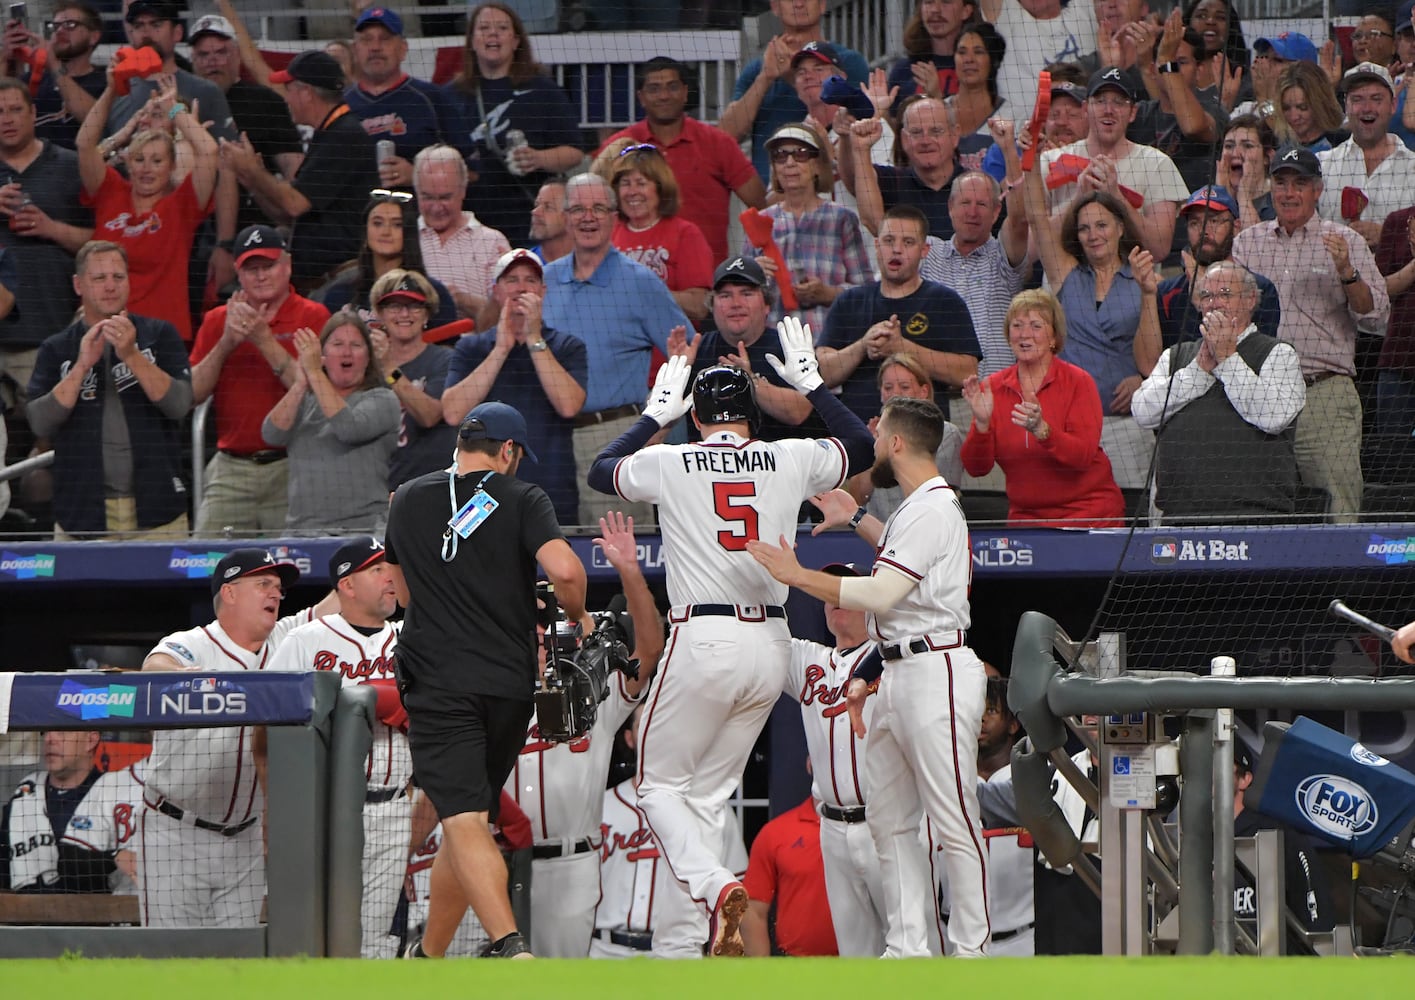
(1223, 408)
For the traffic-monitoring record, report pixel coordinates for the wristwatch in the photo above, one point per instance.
(1169, 67)
(538, 346)
(393, 376)
(1355, 277)
(860, 513)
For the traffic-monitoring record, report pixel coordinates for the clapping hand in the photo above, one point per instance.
(666, 401)
(800, 369)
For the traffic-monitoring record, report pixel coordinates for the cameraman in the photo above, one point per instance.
(463, 545)
(560, 786)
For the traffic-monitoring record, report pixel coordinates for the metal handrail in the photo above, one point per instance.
(32, 464)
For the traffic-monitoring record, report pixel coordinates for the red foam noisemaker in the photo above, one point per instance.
(448, 330)
(1353, 203)
(1039, 120)
(133, 63)
(757, 227)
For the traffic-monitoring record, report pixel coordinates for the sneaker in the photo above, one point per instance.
(415, 950)
(725, 931)
(513, 945)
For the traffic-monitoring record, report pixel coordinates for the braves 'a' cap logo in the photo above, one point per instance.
(811, 47)
(1292, 154)
(254, 238)
(1111, 74)
(737, 264)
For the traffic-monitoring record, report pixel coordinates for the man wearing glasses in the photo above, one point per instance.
(69, 82)
(1224, 409)
(929, 138)
(1119, 166)
(325, 200)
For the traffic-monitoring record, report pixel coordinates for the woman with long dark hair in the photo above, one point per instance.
(930, 38)
(977, 57)
(521, 123)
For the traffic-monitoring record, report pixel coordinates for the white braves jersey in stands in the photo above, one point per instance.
(926, 539)
(629, 861)
(817, 679)
(331, 643)
(558, 785)
(718, 495)
(211, 771)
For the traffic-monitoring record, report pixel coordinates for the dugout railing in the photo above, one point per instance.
(319, 734)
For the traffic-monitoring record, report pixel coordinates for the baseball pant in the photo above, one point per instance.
(387, 829)
(243, 495)
(922, 759)
(588, 442)
(853, 886)
(680, 925)
(1328, 446)
(564, 895)
(198, 878)
(715, 688)
(600, 948)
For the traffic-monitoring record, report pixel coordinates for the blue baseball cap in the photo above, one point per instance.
(380, 15)
(1292, 46)
(354, 555)
(1213, 197)
(495, 421)
(1402, 19)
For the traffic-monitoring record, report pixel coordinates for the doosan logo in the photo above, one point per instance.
(1337, 805)
(27, 567)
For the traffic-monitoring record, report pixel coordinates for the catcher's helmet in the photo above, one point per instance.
(722, 394)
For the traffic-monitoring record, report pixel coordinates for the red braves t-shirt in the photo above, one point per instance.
(786, 866)
(159, 246)
(247, 389)
(672, 248)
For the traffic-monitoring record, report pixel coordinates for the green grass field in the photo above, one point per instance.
(1015, 979)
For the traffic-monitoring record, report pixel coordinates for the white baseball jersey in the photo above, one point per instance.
(107, 818)
(926, 539)
(559, 785)
(211, 771)
(718, 495)
(629, 862)
(331, 643)
(817, 679)
(1010, 861)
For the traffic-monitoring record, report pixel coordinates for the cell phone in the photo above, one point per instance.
(385, 149)
(20, 12)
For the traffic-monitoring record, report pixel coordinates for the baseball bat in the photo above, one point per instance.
(1383, 632)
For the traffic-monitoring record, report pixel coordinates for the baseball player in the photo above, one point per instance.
(200, 857)
(62, 828)
(923, 746)
(559, 786)
(359, 643)
(730, 646)
(817, 680)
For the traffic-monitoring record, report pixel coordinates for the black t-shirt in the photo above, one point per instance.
(52, 120)
(714, 346)
(262, 114)
(471, 624)
(338, 173)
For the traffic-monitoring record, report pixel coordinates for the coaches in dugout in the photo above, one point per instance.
(463, 545)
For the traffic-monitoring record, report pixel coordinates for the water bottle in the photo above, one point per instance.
(514, 140)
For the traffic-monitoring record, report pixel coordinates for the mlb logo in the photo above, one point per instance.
(1166, 550)
(204, 684)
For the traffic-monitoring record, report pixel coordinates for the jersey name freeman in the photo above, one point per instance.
(729, 462)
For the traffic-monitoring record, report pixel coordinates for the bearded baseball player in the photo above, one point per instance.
(200, 856)
(730, 645)
(923, 748)
(63, 828)
(358, 642)
(559, 786)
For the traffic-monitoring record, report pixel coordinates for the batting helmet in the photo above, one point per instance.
(722, 394)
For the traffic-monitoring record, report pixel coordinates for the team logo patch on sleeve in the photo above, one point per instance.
(181, 651)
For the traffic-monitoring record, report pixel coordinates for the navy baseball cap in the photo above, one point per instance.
(495, 421)
(1291, 46)
(162, 9)
(258, 241)
(239, 563)
(1213, 197)
(1074, 90)
(1109, 77)
(315, 68)
(407, 288)
(1402, 19)
(380, 15)
(1296, 158)
(739, 271)
(1242, 754)
(822, 51)
(355, 555)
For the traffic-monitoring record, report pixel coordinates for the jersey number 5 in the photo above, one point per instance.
(733, 503)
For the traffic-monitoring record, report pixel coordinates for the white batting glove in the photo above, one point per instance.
(666, 401)
(800, 369)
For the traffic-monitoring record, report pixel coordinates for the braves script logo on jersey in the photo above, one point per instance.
(534, 744)
(637, 845)
(377, 667)
(814, 692)
(123, 825)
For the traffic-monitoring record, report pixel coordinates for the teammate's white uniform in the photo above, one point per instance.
(923, 741)
(729, 648)
(817, 679)
(107, 820)
(559, 786)
(1010, 905)
(629, 864)
(680, 926)
(471, 937)
(189, 876)
(103, 820)
(331, 643)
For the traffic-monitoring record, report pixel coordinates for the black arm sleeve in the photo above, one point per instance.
(601, 475)
(849, 429)
(83, 870)
(871, 668)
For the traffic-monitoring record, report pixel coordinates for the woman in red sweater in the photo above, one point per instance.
(1040, 419)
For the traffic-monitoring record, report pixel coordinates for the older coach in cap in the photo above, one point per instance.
(545, 371)
(325, 200)
(1330, 291)
(200, 857)
(463, 544)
